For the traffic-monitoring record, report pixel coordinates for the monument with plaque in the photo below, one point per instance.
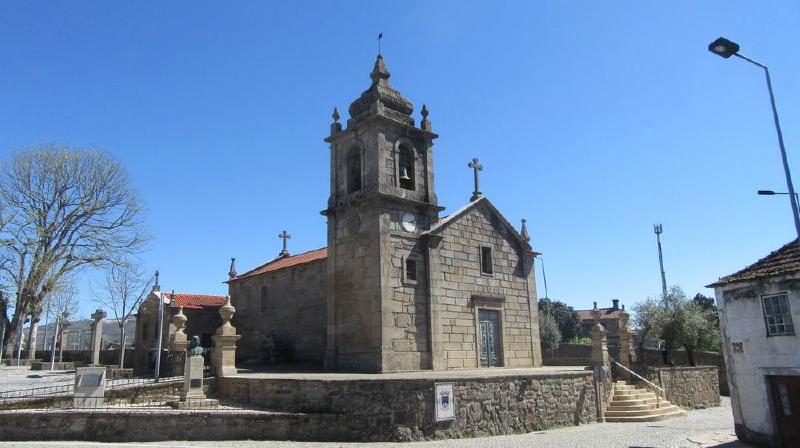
(192, 395)
(90, 387)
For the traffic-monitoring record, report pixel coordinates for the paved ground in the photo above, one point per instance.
(22, 377)
(703, 428)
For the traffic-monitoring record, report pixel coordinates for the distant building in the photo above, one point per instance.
(202, 315)
(610, 318)
(759, 307)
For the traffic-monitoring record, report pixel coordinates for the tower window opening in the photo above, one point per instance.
(406, 165)
(353, 170)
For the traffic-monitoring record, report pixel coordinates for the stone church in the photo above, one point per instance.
(398, 287)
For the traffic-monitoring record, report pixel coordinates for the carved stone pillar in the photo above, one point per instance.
(97, 335)
(178, 341)
(599, 347)
(223, 358)
(624, 343)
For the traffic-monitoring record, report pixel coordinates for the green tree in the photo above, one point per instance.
(549, 332)
(679, 322)
(569, 324)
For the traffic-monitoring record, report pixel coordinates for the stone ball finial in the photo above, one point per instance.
(226, 311)
(179, 319)
(424, 111)
(335, 114)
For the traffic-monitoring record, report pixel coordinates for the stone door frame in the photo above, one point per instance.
(490, 304)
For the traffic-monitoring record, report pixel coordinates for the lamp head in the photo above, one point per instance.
(766, 192)
(723, 47)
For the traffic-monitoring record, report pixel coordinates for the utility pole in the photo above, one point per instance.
(658, 230)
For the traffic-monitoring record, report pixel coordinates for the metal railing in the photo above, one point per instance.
(659, 392)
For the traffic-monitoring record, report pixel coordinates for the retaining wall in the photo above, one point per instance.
(689, 387)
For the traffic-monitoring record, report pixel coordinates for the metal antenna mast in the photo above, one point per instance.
(658, 230)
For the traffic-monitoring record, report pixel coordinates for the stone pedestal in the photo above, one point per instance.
(223, 357)
(90, 386)
(599, 347)
(97, 335)
(192, 395)
(624, 344)
(178, 341)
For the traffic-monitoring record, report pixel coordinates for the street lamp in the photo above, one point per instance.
(772, 193)
(726, 48)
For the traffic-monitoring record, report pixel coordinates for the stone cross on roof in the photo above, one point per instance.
(475, 168)
(285, 236)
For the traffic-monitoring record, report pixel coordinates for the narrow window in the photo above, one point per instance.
(407, 168)
(144, 332)
(263, 298)
(486, 260)
(353, 170)
(411, 270)
(777, 315)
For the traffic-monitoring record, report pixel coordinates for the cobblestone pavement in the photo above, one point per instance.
(22, 377)
(703, 428)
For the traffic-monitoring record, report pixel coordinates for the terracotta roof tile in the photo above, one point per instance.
(608, 313)
(287, 261)
(194, 301)
(783, 261)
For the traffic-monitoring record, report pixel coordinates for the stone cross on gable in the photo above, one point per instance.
(99, 314)
(285, 236)
(475, 168)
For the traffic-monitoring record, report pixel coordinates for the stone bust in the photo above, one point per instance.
(194, 347)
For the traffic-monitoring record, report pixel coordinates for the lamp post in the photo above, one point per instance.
(544, 277)
(726, 48)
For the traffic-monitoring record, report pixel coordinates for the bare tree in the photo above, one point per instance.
(123, 289)
(60, 306)
(64, 210)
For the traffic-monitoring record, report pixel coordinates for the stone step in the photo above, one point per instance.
(643, 412)
(646, 418)
(636, 406)
(634, 396)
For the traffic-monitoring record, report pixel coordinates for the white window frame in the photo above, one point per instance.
(785, 317)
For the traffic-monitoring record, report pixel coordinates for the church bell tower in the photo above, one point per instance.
(382, 198)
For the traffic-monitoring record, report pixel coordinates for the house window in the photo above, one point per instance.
(263, 298)
(406, 166)
(777, 315)
(411, 270)
(353, 170)
(486, 260)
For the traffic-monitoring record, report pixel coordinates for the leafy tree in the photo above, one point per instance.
(549, 332)
(679, 322)
(569, 324)
(63, 210)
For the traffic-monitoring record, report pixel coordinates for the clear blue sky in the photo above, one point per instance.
(593, 120)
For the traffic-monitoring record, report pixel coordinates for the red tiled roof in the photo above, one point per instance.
(287, 261)
(608, 313)
(194, 301)
(783, 261)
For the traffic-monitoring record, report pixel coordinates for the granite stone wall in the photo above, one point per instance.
(403, 410)
(287, 305)
(679, 358)
(689, 387)
(568, 355)
(462, 289)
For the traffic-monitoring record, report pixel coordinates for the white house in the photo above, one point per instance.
(759, 308)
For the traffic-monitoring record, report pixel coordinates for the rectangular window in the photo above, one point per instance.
(411, 270)
(486, 260)
(144, 332)
(777, 315)
(263, 298)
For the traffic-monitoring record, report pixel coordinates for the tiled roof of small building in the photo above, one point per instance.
(285, 262)
(783, 261)
(194, 301)
(607, 313)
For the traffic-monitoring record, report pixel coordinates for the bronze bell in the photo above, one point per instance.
(404, 174)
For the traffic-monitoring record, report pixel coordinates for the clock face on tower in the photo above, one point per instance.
(409, 222)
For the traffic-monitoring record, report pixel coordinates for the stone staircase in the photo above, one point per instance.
(631, 403)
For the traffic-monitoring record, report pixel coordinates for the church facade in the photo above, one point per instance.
(398, 288)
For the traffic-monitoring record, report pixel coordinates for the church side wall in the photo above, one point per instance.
(462, 290)
(293, 314)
